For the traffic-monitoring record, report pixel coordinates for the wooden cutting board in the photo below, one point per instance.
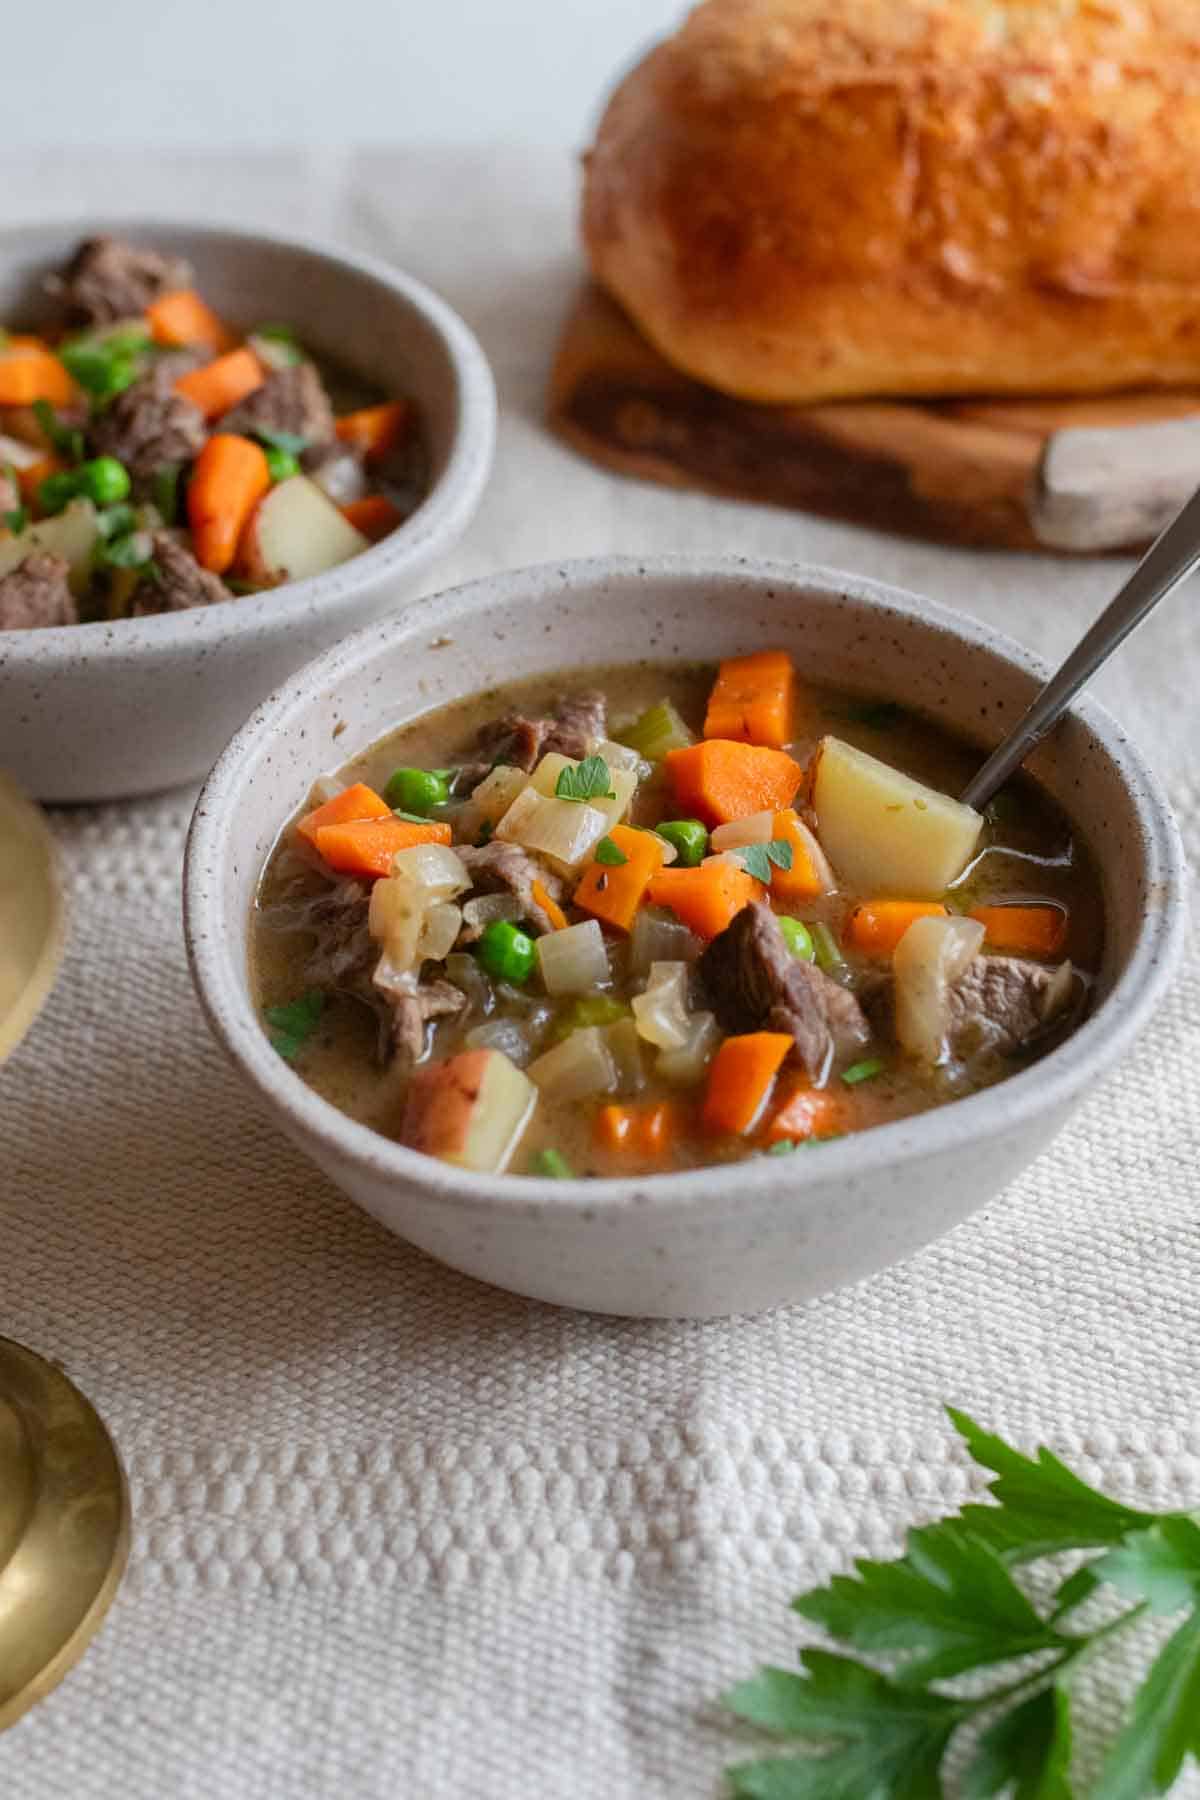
(1079, 475)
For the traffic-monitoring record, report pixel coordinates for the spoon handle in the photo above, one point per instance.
(1169, 560)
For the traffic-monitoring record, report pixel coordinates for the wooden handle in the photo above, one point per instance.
(1104, 490)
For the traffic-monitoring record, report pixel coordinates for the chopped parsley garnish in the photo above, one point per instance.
(290, 1026)
(588, 780)
(758, 859)
(164, 491)
(290, 442)
(610, 854)
(17, 520)
(863, 1071)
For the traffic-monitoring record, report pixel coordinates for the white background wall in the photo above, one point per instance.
(161, 72)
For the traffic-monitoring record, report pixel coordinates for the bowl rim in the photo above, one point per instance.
(218, 968)
(446, 507)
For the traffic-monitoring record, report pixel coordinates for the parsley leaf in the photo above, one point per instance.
(948, 1605)
(757, 859)
(610, 854)
(588, 780)
(890, 1740)
(290, 442)
(1043, 1506)
(292, 1025)
(66, 439)
(1026, 1753)
(17, 519)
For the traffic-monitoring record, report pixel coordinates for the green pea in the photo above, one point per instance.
(104, 480)
(797, 937)
(507, 952)
(415, 790)
(281, 464)
(689, 838)
(55, 491)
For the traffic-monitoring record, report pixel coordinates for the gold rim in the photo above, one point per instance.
(32, 915)
(64, 1527)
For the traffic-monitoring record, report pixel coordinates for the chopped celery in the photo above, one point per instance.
(826, 954)
(658, 730)
(552, 1163)
(589, 1009)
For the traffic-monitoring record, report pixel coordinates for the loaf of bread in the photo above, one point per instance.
(803, 199)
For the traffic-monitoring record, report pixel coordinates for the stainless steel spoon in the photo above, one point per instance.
(1169, 560)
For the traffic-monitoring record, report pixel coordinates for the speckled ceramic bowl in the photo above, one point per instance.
(774, 1229)
(98, 712)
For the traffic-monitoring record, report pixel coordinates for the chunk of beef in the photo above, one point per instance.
(344, 955)
(181, 582)
(499, 868)
(578, 721)
(414, 1003)
(1001, 1003)
(149, 425)
(107, 280)
(36, 594)
(756, 984)
(10, 493)
(291, 400)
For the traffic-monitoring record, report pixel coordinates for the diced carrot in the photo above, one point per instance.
(229, 479)
(707, 898)
(806, 1112)
(31, 477)
(29, 372)
(374, 515)
(551, 908)
(740, 1080)
(182, 317)
(876, 927)
(809, 874)
(753, 699)
(647, 1130)
(220, 385)
(367, 846)
(356, 802)
(1024, 930)
(720, 780)
(374, 430)
(614, 892)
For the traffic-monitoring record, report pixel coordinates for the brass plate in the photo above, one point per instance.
(31, 915)
(64, 1527)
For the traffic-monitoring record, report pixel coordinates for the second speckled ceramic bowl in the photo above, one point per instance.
(102, 711)
(710, 1241)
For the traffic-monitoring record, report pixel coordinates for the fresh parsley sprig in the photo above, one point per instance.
(587, 780)
(291, 1026)
(950, 1606)
(759, 859)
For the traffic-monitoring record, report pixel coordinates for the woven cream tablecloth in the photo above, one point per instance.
(398, 1534)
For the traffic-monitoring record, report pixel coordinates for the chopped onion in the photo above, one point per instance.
(509, 1036)
(497, 791)
(465, 973)
(439, 931)
(577, 1068)
(685, 1066)
(927, 961)
(816, 856)
(564, 831)
(573, 961)
(1059, 992)
(485, 909)
(622, 756)
(395, 918)
(342, 477)
(658, 936)
(625, 1047)
(662, 1011)
(434, 868)
(755, 828)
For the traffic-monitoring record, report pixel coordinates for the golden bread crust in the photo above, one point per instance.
(798, 200)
